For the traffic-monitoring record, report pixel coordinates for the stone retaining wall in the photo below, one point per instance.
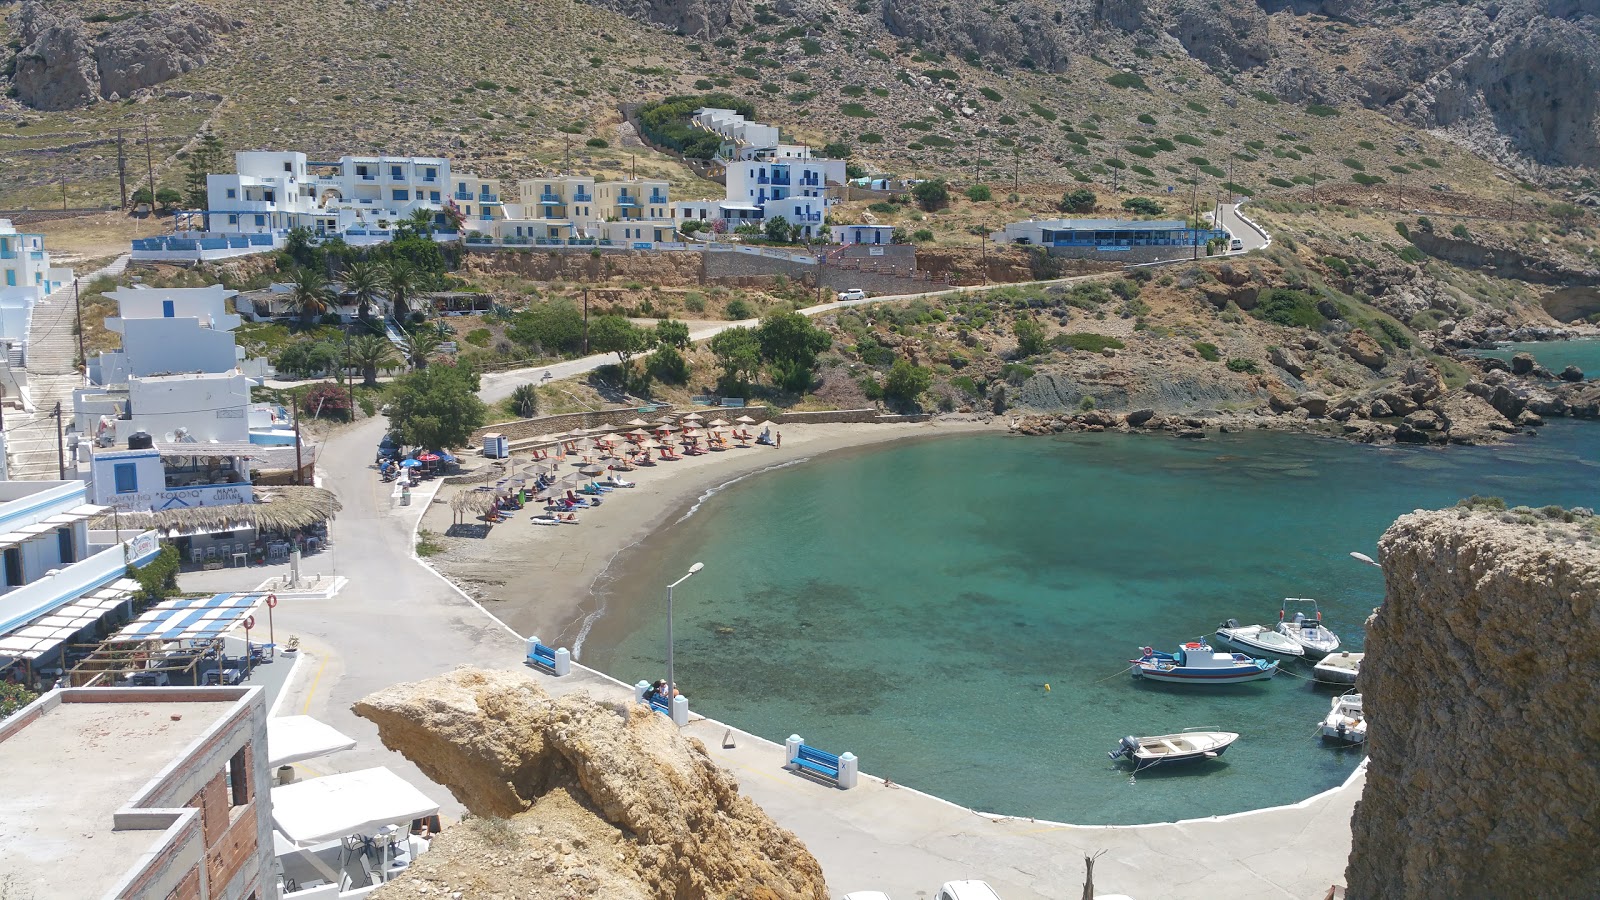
(522, 429)
(871, 415)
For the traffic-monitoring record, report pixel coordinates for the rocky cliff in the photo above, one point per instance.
(62, 62)
(576, 797)
(1481, 675)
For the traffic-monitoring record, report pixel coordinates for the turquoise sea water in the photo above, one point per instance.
(909, 603)
(1554, 355)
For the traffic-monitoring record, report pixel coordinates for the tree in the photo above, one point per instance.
(1081, 200)
(525, 401)
(905, 382)
(364, 280)
(400, 279)
(836, 150)
(141, 197)
(1030, 336)
(738, 352)
(327, 401)
(778, 230)
(168, 197)
(979, 193)
(615, 334)
(790, 344)
(309, 295)
(206, 159)
(436, 407)
(14, 697)
(667, 364)
(369, 353)
(672, 333)
(419, 344)
(1143, 206)
(931, 195)
(555, 326)
(420, 221)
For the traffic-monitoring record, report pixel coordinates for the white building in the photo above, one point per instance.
(862, 234)
(26, 277)
(759, 189)
(565, 208)
(275, 191)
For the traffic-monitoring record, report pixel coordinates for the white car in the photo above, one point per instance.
(853, 294)
(966, 890)
(1236, 244)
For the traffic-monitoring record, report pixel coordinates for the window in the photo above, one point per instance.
(239, 777)
(432, 173)
(233, 220)
(433, 196)
(13, 560)
(168, 310)
(394, 172)
(64, 541)
(233, 194)
(127, 478)
(402, 195)
(268, 196)
(288, 168)
(261, 221)
(11, 278)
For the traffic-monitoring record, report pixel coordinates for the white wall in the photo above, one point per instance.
(211, 407)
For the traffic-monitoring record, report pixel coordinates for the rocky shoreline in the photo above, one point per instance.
(1501, 399)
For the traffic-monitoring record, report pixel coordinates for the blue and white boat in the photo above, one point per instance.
(1196, 663)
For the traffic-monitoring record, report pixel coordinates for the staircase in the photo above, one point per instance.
(51, 364)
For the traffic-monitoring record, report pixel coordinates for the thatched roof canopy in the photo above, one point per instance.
(276, 508)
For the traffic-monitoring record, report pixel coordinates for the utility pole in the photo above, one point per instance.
(1194, 207)
(1016, 164)
(122, 170)
(61, 443)
(566, 165)
(1116, 171)
(299, 477)
(77, 300)
(63, 196)
(586, 321)
(149, 164)
(635, 158)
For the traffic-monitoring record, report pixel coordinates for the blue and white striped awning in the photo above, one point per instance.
(190, 618)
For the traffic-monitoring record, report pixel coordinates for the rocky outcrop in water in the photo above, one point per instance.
(597, 800)
(1480, 674)
(62, 65)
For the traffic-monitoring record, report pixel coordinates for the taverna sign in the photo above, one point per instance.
(184, 498)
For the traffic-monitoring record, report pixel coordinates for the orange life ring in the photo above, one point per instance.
(1147, 651)
(1192, 645)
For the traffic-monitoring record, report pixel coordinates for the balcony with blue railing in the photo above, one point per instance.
(780, 178)
(8, 254)
(551, 200)
(627, 200)
(429, 179)
(658, 198)
(368, 177)
(582, 197)
(488, 198)
(462, 195)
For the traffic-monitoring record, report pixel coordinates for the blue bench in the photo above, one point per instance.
(543, 656)
(660, 706)
(818, 762)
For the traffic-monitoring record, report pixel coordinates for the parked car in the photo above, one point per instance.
(853, 294)
(389, 448)
(1236, 244)
(966, 890)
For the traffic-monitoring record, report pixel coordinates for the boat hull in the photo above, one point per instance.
(1205, 745)
(1234, 639)
(1172, 676)
(1338, 668)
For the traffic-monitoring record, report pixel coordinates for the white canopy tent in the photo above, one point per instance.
(322, 809)
(291, 739)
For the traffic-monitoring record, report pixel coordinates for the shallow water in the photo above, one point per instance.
(910, 602)
(1554, 355)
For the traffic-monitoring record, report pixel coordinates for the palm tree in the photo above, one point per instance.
(309, 295)
(420, 221)
(419, 345)
(401, 280)
(364, 280)
(369, 353)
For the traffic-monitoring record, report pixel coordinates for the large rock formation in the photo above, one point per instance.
(602, 800)
(1481, 675)
(61, 65)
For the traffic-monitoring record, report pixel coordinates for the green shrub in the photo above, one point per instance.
(1189, 139)
(1338, 265)
(857, 111)
(1461, 232)
(1395, 334)
(1403, 230)
(1207, 351)
(478, 337)
(1143, 206)
(1127, 80)
(1411, 254)
(1264, 97)
(922, 235)
(1197, 107)
(992, 95)
(1321, 109)
(1366, 180)
(979, 193)
(1246, 366)
(870, 137)
(738, 309)
(1353, 163)
(597, 143)
(1087, 341)
(1283, 306)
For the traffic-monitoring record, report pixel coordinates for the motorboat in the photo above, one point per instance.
(1339, 668)
(1190, 746)
(1308, 632)
(1258, 639)
(1196, 663)
(1345, 723)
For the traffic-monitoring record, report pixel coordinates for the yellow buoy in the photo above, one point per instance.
(1047, 687)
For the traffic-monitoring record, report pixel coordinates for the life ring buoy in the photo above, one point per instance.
(1192, 645)
(1147, 651)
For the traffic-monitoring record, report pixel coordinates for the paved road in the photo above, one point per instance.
(1239, 228)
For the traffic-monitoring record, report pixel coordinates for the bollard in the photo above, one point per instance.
(791, 749)
(638, 691)
(849, 768)
(532, 642)
(563, 661)
(680, 710)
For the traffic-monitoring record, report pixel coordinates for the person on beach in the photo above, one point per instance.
(780, 440)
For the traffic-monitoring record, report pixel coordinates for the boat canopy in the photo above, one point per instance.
(291, 739)
(322, 809)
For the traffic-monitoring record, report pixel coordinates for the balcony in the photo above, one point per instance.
(368, 177)
(551, 200)
(781, 179)
(627, 201)
(581, 197)
(462, 195)
(658, 198)
(428, 179)
(8, 254)
(488, 198)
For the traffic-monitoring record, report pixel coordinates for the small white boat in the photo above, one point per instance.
(1190, 746)
(1308, 632)
(1339, 668)
(1345, 722)
(1258, 639)
(1196, 663)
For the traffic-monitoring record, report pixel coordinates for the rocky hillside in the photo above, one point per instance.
(1480, 676)
(572, 797)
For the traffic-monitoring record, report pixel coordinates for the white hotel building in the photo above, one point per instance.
(766, 178)
(274, 192)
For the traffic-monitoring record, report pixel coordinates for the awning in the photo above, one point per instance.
(294, 738)
(42, 636)
(308, 812)
(190, 618)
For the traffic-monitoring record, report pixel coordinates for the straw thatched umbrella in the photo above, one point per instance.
(692, 417)
(637, 423)
(666, 428)
(592, 471)
(276, 508)
(745, 420)
(718, 423)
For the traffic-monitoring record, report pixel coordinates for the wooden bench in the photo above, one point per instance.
(818, 762)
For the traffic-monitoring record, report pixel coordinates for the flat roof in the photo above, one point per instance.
(64, 775)
(1108, 224)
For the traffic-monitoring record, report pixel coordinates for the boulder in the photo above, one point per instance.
(1098, 417)
(157, 47)
(1424, 420)
(1509, 402)
(1360, 346)
(1380, 409)
(1287, 360)
(1571, 373)
(1138, 417)
(1313, 403)
(57, 69)
(1423, 381)
(1522, 364)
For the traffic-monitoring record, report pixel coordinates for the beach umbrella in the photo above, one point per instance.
(637, 423)
(411, 464)
(718, 423)
(692, 417)
(593, 470)
(745, 420)
(666, 420)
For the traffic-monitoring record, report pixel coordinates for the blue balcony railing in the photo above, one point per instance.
(550, 200)
(627, 200)
(582, 197)
(781, 179)
(488, 198)
(369, 178)
(8, 254)
(658, 198)
(463, 195)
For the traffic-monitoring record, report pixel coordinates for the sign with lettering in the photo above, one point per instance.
(874, 251)
(143, 545)
(184, 498)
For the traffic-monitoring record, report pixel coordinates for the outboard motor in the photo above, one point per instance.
(1126, 748)
(1231, 623)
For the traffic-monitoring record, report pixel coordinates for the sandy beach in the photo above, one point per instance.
(539, 579)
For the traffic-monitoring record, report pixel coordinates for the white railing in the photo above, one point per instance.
(51, 592)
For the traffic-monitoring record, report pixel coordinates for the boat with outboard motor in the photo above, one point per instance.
(1258, 639)
(1196, 663)
(1308, 632)
(1190, 746)
(1339, 668)
(1346, 722)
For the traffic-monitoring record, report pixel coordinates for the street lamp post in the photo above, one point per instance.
(671, 683)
